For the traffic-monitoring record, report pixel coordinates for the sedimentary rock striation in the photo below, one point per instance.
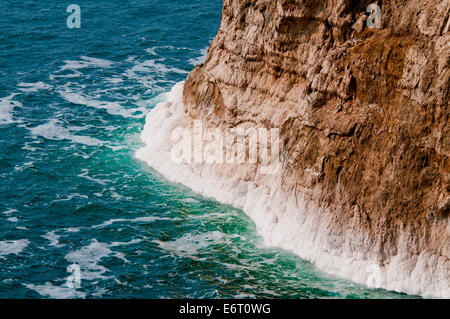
(364, 185)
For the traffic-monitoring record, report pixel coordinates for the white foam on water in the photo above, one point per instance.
(113, 108)
(23, 166)
(27, 146)
(190, 245)
(190, 200)
(86, 62)
(7, 105)
(154, 66)
(201, 59)
(75, 65)
(131, 58)
(88, 258)
(53, 130)
(114, 80)
(72, 229)
(74, 74)
(33, 87)
(12, 247)
(85, 174)
(53, 238)
(146, 219)
(118, 197)
(70, 197)
(287, 220)
(152, 50)
(10, 211)
(56, 292)
(146, 72)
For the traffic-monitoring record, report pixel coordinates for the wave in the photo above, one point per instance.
(12, 247)
(201, 58)
(7, 105)
(85, 174)
(88, 258)
(286, 220)
(53, 238)
(56, 292)
(113, 108)
(73, 66)
(145, 219)
(33, 87)
(191, 245)
(10, 211)
(153, 50)
(86, 62)
(146, 72)
(52, 130)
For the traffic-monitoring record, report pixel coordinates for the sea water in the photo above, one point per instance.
(73, 103)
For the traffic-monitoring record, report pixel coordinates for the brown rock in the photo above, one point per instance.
(364, 116)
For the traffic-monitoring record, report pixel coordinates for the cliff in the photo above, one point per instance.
(364, 133)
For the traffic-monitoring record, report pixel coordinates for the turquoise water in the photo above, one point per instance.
(72, 105)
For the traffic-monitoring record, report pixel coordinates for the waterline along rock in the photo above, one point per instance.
(363, 188)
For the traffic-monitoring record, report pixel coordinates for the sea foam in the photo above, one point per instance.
(88, 258)
(56, 292)
(86, 62)
(33, 87)
(7, 105)
(12, 247)
(287, 220)
(53, 130)
(113, 108)
(201, 58)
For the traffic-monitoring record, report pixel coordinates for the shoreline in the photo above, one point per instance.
(285, 220)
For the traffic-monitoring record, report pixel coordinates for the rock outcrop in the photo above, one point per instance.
(364, 132)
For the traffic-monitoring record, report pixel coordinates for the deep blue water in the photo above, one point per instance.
(72, 105)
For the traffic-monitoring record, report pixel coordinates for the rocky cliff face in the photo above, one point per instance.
(364, 132)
